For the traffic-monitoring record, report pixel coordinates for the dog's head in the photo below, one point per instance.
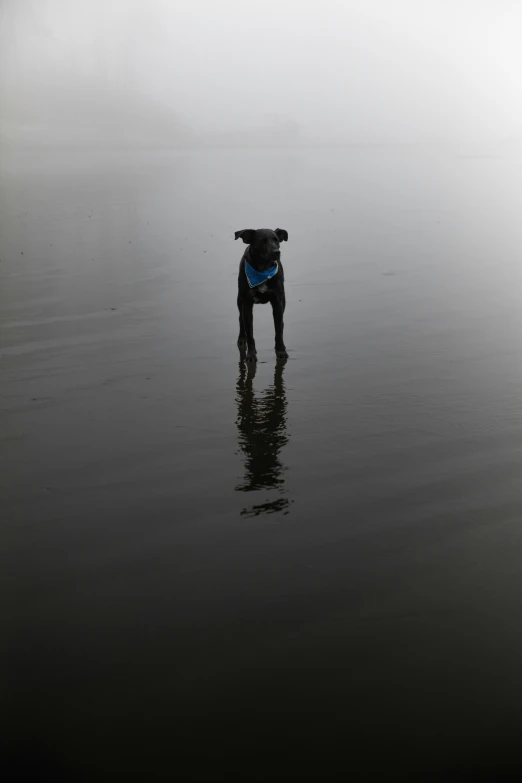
(264, 243)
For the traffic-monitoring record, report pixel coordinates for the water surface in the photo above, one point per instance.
(284, 565)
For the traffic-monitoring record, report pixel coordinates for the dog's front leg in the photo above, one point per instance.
(248, 322)
(241, 340)
(278, 310)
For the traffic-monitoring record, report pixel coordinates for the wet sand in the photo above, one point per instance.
(281, 568)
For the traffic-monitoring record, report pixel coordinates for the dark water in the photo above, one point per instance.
(279, 569)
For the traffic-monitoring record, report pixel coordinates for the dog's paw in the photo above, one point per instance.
(251, 356)
(281, 353)
(242, 343)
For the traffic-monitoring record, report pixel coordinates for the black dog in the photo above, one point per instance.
(261, 280)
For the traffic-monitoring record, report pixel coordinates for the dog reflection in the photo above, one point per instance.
(262, 433)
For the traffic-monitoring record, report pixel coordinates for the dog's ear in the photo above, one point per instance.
(247, 235)
(282, 235)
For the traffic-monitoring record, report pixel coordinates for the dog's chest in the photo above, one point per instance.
(259, 293)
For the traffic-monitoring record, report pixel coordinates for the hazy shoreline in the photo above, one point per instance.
(487, 148)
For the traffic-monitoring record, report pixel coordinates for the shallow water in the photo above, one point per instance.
(289, 564)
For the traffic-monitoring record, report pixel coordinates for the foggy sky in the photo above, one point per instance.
(364, 70)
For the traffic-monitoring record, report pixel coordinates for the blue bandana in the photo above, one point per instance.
(256, 278)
